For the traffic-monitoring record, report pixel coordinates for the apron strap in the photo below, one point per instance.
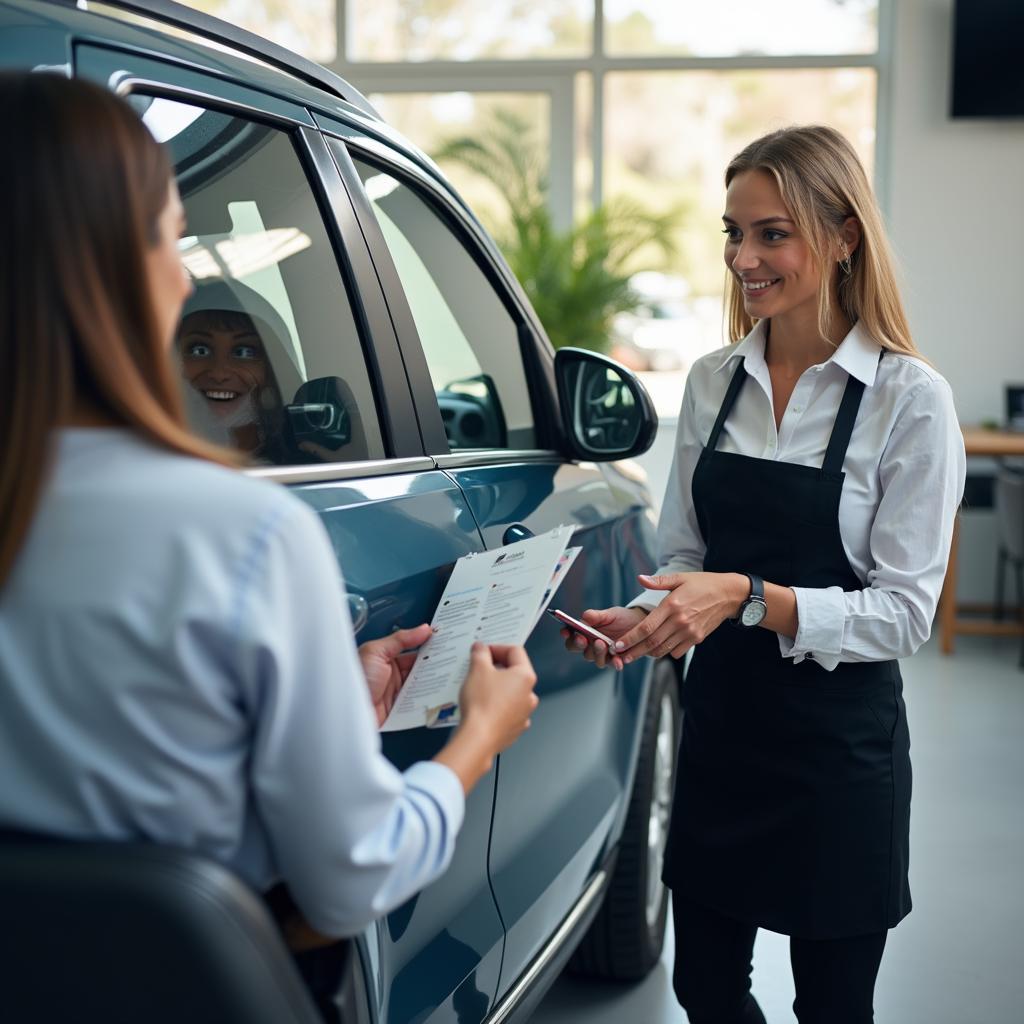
(842, 429)
(730, 397)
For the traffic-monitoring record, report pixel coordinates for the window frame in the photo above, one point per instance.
(537, 355)
(392, 400)
(557, 76)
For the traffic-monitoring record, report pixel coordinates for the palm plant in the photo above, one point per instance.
(577, 279)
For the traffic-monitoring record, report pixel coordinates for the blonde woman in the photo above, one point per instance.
(803, 544)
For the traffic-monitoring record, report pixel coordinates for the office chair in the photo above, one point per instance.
(126, 933)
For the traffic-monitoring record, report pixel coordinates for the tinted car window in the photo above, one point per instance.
(468, 335)
(270, 352)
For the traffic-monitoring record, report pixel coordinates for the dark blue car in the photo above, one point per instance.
(409, 394)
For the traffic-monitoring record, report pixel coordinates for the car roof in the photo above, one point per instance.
(178, 34)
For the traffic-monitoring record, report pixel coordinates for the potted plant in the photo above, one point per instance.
(577, 279)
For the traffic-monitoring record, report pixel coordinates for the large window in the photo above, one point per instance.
(467, 30)
(440, 117)
(670, 134)
(731, 28)
(308, 27)
(641, 99)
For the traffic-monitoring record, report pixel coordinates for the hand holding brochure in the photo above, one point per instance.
(496, 597)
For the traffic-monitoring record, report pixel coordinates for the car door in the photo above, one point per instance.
(482, 375)
(282, 270)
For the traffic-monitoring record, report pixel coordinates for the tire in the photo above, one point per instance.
(625, 940)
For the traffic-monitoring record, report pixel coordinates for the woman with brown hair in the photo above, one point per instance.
(175, 662)
(803, 544)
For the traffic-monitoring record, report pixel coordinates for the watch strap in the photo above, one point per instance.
(756, 595)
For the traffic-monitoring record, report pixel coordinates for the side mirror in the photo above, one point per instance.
(606, 411)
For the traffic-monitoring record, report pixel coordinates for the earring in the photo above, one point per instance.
(845, 262)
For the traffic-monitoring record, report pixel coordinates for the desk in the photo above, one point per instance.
(996, 444)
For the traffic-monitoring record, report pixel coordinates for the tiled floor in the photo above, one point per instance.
(959, 957)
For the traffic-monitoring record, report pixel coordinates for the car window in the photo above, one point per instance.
(271, 357)
(469, 337)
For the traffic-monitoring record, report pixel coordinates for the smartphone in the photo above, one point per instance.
(580, 627)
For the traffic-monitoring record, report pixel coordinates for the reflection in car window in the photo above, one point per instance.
(468, 336)
(270, 352)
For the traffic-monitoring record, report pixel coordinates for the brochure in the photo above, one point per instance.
(496, 597)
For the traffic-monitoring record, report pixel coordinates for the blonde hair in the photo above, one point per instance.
(823, 183)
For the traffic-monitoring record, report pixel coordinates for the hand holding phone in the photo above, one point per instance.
(580, 627)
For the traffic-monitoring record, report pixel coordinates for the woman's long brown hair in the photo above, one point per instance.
(82, 192)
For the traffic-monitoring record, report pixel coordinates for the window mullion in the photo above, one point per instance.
(597, 116)
(341, 31)
(883, 100)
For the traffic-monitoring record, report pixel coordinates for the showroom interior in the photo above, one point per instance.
(647, 100)
(603, 127)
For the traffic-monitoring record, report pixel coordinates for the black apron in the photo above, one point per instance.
(792, 803)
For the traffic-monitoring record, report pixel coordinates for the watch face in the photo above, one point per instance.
(753, 613)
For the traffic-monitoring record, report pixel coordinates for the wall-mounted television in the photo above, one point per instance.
(988, 41)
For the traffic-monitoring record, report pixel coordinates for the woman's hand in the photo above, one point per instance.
(698, 604)
(497, 695)
(495, 705)
(613, 622)
(386, 666)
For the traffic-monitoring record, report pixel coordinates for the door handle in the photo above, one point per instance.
(359, 609)
(516, 532)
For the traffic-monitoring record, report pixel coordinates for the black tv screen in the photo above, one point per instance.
(988, 39)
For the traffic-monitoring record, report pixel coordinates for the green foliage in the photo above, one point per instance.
(578, 279)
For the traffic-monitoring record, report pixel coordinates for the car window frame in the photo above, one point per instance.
(393, 402)
(535, 350)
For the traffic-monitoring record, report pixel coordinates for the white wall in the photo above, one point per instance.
(956, 217)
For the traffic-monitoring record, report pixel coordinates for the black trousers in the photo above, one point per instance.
(835, 979)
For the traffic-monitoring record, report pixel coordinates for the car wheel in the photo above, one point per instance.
(626, 938)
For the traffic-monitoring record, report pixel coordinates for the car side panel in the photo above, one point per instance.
(563, 786)
(436, 958)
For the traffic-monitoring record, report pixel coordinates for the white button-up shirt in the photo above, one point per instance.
(905, 469)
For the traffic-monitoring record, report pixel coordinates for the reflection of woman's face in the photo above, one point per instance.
(225, 365)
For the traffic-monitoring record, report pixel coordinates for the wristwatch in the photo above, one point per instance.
(754, 609)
